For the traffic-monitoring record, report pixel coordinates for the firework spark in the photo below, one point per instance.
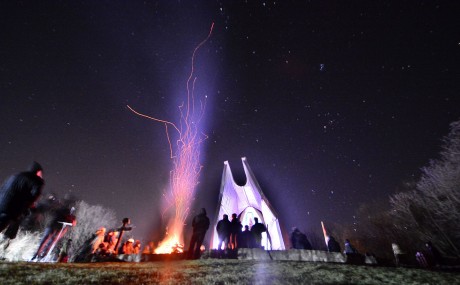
(185, 155)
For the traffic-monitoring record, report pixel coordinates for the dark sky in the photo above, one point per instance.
(334, 103)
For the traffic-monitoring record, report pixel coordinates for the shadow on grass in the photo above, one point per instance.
(215, 271)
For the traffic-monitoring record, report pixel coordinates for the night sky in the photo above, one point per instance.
(334, 103)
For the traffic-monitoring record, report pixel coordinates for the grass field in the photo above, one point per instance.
(216, 271)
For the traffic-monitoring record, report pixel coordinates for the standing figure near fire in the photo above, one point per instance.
(246, 239)
(223, 231)
(257, 229)
(55, 230)
(200, 225)
(235, 232)
(17, 195)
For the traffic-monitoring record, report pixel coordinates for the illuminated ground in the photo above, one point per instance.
(215, 271)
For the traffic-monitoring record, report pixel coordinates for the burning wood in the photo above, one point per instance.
(170, 245)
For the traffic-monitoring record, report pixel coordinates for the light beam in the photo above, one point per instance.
(185, 155)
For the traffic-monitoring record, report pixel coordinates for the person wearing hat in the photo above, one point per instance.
(128, 246)
(17, 196)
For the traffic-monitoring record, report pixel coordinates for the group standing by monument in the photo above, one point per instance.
(231, 234)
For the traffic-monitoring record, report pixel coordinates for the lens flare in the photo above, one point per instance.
(185, 156)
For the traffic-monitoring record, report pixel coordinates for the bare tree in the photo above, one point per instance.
(89, 219)
(432, 210)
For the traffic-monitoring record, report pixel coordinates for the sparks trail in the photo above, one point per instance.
(185, 157)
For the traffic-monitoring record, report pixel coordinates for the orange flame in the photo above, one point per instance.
(170, 245)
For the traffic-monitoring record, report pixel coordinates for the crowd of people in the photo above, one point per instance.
(103, 244)
(232, 236)
(18, 205)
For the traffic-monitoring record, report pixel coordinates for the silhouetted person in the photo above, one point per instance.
(299, 240)
(223, 231)
(137, 247)
(124, 228)
(17, 196)
(349, 249)
(433, 254)
(200, 225)
(246, 238)
(235, 231)
(257, 229)
(333, 245)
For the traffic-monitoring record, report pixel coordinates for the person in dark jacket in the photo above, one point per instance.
(433, 254)
(235, 231)
(257, 229)
(223, 231)
(17, 196)
(299, 240)
(200, 225)
(333, 245)
(246, 238)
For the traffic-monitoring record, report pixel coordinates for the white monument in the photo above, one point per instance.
(247, 202)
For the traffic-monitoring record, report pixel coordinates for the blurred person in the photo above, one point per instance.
(56, 229)
(333, 245)
(223, 231)
(97, 239)
(124, 227)
(64, 253)
(110, 240)
(397, 252)
(149, 248)
(257, 229)
(137, 247)
(90, 246)
(235, 231)
(299, 240)
(128, 247)
(18, 196)
(349, 249)
(246, 238)
(433, 254)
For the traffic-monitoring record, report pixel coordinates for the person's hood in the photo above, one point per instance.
(35, 166)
